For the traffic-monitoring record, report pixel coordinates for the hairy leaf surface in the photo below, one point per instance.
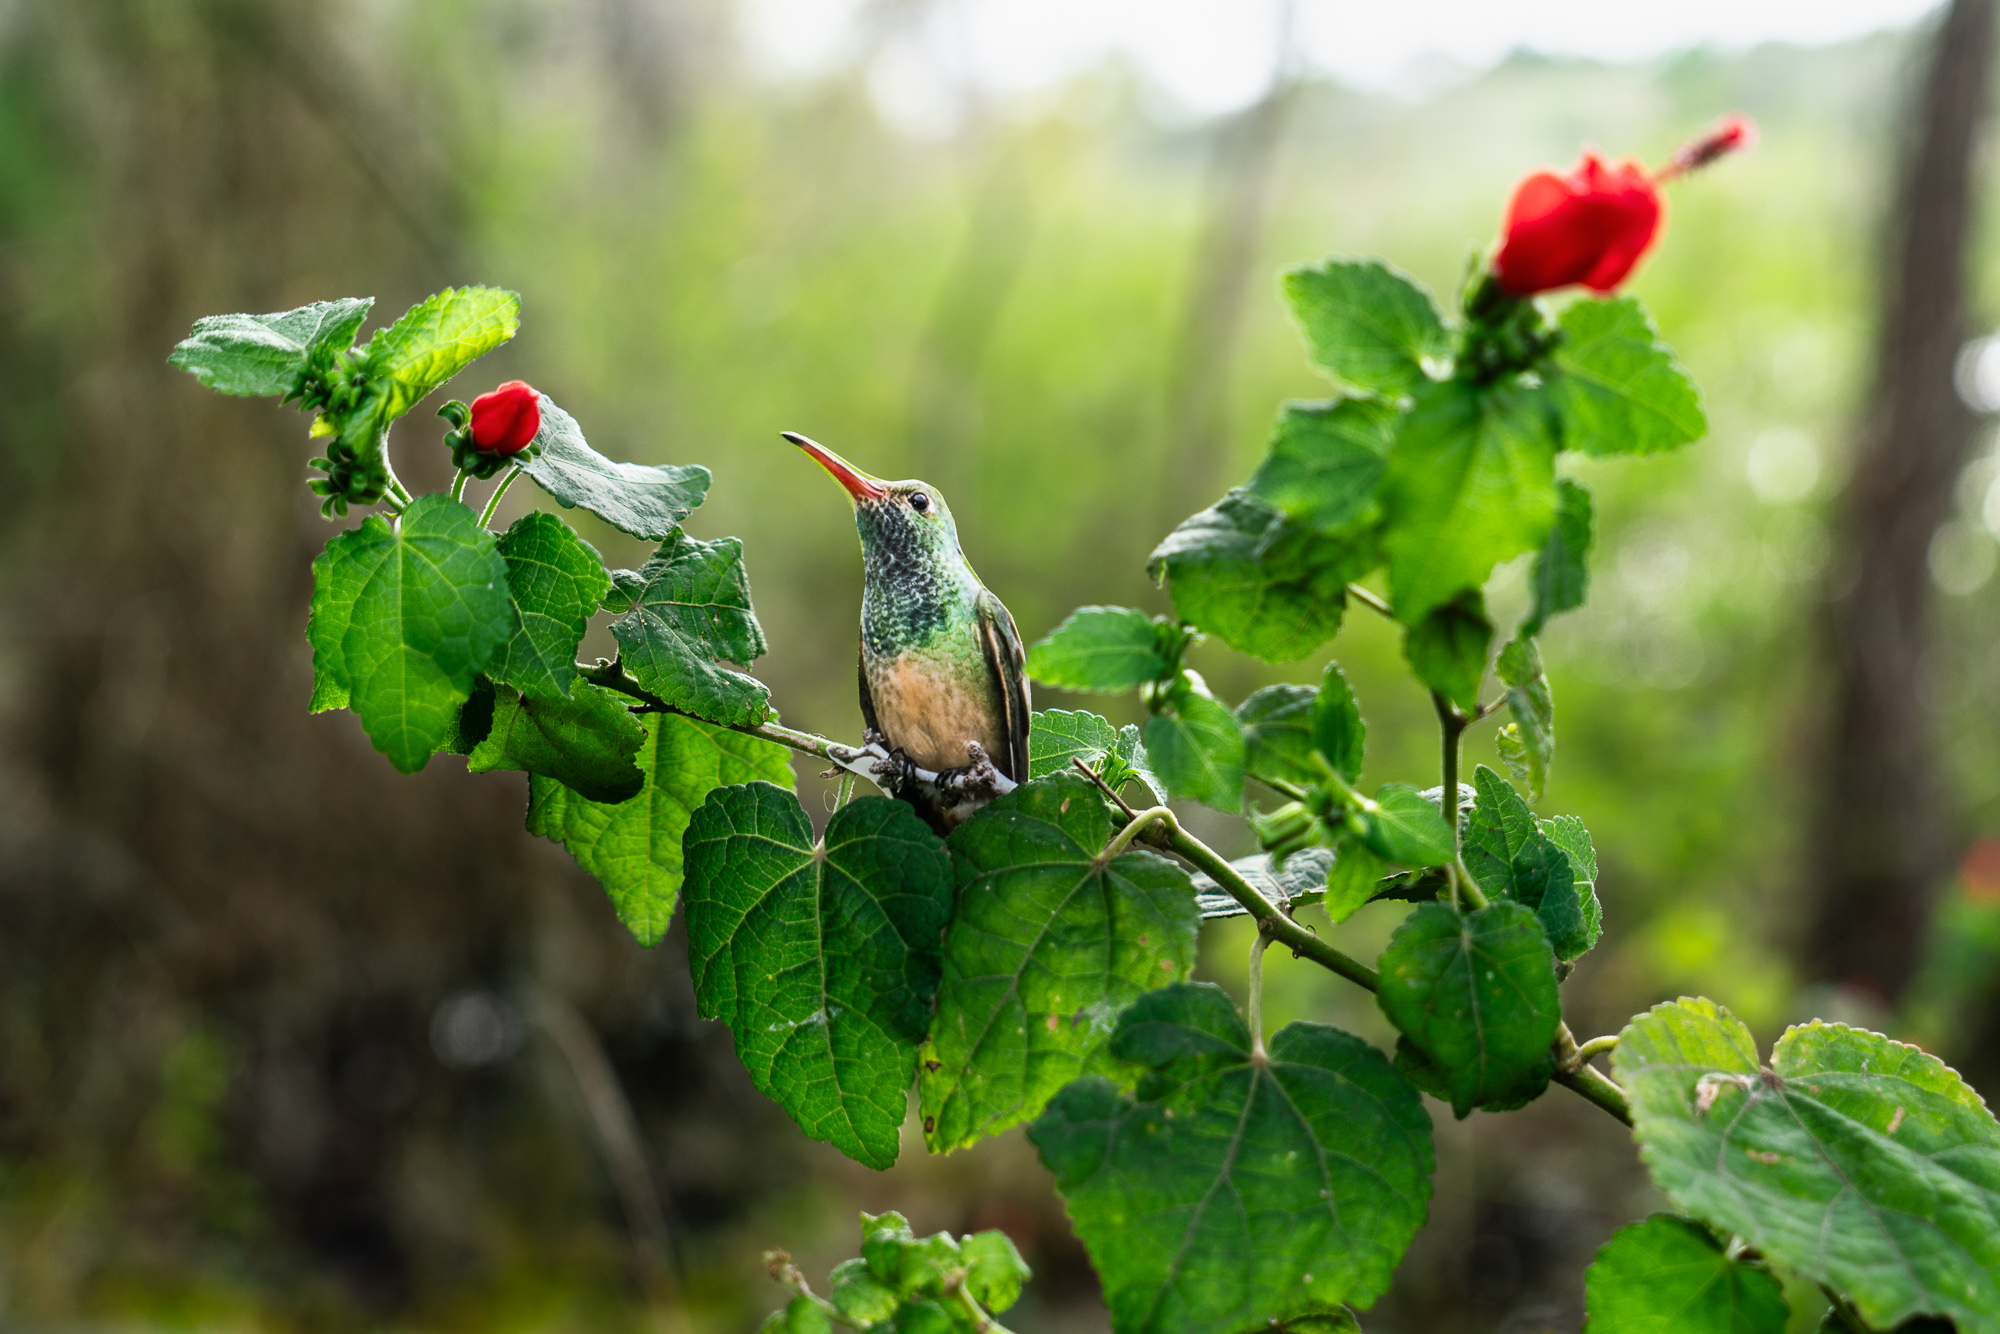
(644, 500)
(1859, 1162)
(263, 354)
(822, 957)
(1338, 732)
(1048, 945)
(1235, 1192)
(634, 847)
(1529, 747)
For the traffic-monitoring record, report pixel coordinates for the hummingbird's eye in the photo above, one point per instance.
(919, 502)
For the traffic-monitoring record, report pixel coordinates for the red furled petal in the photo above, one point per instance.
(505, 421)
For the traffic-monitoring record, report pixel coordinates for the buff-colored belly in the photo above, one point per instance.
(930, 712)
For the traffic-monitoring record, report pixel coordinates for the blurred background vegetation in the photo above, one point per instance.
(288, 1042)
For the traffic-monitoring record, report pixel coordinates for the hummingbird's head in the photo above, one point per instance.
(897, 519)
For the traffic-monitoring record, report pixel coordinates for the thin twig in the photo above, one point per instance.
(1370, 601)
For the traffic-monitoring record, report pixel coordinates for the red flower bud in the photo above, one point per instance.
(504, 421)
(1588, 227)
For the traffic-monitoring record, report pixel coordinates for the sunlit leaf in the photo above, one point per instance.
(686, 609)
(1105, 649)
(1324, 462)
(263, 354)
(645, 500)
(1196, 749)
(1617, 386)
(1447, 649)
(1560, 578)
(1668, 1276)
(435, 340)
(557, 580)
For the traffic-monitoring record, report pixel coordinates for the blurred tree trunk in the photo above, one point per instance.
(1882, 835)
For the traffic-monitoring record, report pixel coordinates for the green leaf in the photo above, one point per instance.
(557, 580)
(1058, 736)
(1617, 386)
(586, 742)
(1475, 993)
(1667, 1276)
(1426, 1077)
(1356, 875)
(1561, 575)
(1859, 1162)
(435, 340)
(1196, 749)
(994, 1270)
(403, 619)
(1324, 462)
(1278, 734)
(1470, 483)
(1338, 732)
(1567, 832)
(822, 957)
(474, 723)
(634, 847)
(1531, 747)
(1048, 945)
(263, 354)
(1370, 326)
(1403, 825)
(801, 1315)
(1511, 858)
(1447, 649)
(1238, 1192)
(687, 608)
(909, 1284)
(1103, 649)
(1259, 582)
(643, 500)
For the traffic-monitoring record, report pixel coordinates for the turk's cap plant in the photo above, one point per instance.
(1035, 966)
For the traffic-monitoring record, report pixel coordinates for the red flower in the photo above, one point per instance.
(1588, 227)
(504, 421)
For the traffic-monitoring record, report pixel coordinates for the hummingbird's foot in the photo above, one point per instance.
(886, 765)
(976, 783)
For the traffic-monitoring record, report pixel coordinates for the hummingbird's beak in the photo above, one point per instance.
(858, 483)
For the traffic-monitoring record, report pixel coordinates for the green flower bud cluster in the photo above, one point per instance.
(912, 1285)
(1505, 334)
(338, 386)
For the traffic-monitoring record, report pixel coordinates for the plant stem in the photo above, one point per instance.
(1574, 1072)
(493, 501)
(458, 485)
(1370, 601)
(1257, 948)
(1270, 919)
(846, 789)
(1452, 724)
(982, 1322)
(1596, 1047)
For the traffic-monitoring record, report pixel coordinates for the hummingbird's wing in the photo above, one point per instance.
(1006, 660)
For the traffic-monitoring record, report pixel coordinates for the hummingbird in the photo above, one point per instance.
(942, 680)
